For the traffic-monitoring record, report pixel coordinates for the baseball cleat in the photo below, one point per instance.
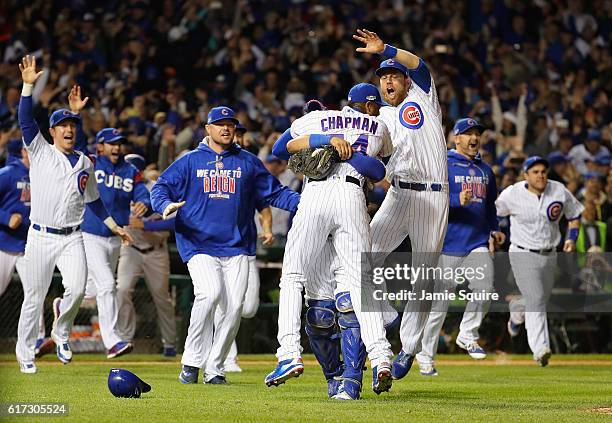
(473, 349)
(427, 369)
(350, 390)
(381, 378)
(543, 357)
(46, 347)
(401, 365)
(513, 328)
(333, 385)
(62, 349)
(284, 371)
(189, 374)
(217, 380)
(231, 367)
(27, 367)
(169, 352)
(119, 349)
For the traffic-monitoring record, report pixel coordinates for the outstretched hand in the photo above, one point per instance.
(74, 99)
(373, 43)
(28, 70)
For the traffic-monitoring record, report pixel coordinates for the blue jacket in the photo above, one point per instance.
(14, 198)
(470, 227)
(221, 192)
(119, 185)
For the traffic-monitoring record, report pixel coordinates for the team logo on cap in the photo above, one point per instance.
(224, 112)
(66, 113)
(371, 98)
(82, 181)
(471, 122)
(390, 62)
(115, 132)
(411, 115)
(553, 211)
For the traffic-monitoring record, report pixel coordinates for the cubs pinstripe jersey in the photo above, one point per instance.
(416, 130)
(534, 221)
(367, 134)
(59, 190)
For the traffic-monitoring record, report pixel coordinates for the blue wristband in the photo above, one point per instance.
(572, 234)
(319, 140)
(389, 52)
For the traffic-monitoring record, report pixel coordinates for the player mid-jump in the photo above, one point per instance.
(61, 182)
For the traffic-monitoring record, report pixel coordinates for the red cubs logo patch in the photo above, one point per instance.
(82, 181)
(411, 115)
(553, 211)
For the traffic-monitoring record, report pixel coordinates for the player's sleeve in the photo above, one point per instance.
(141, 193)
(91, 188)
(367, 166)
(421, 76)
(572, 208)
(159, 225)
(270, 192)
(491, 208)
(279, 149)
(170, 186)
(32, 138)
(504, 202)
(5, 215)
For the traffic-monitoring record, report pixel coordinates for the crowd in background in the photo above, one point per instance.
(537, 74)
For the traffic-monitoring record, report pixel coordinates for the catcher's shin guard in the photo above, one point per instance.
(323, 336)
(353, 349)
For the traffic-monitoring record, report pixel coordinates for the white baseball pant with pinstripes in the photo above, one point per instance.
(535, 277)
(42, 253)
(8, 262)
(423, 216)
(249, 308)
(475, 310)
(217, 282)
(102, 256)
(338, 208)
(155, 266)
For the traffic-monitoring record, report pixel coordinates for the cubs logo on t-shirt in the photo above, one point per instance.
(553, 211)
(411, 115)
(82, 181)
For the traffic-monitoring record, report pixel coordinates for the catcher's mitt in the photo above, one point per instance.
(315, 163)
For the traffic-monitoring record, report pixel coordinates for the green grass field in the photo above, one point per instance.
(501, 388)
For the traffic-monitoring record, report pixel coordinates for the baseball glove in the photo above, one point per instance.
(315, 163)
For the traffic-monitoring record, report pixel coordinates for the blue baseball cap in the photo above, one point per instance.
(591, 175)
(532, 161)
(240, 127)
(594, 135)
(220, 113)
(556, 157)
(391, 64)
(362, 93)
(125, 384)
(465, 124)
(603, 159)
(109, 136)
(61, 115)
(13, 148)
(136, 160)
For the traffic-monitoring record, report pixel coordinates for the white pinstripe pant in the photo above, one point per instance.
(249, 308)
(8, 262)
(338, 208)
(42, 253)
(217, 282)
(102, 256)
(474, 311)
(423, 216)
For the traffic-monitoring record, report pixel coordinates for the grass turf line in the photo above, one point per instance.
(461, 393)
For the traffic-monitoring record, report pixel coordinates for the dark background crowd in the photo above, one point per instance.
(537, 74)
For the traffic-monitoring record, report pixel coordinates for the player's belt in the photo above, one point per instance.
(416, 186)
(50, 230)
(542, 251)
(347, 178)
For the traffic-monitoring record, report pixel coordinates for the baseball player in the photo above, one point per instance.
(215, 189)
(57, 210)
(416, 204)
(148, 256)
(472, 224)
(335, 207)
(251, 298)
(119, 184)
(535, 206)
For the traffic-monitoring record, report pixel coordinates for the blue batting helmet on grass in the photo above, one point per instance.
(125, 384)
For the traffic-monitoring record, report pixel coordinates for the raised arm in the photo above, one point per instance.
(375, 45)
(76, 105)
(29, 128)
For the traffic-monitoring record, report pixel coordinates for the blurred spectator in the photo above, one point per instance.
(593, 232)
